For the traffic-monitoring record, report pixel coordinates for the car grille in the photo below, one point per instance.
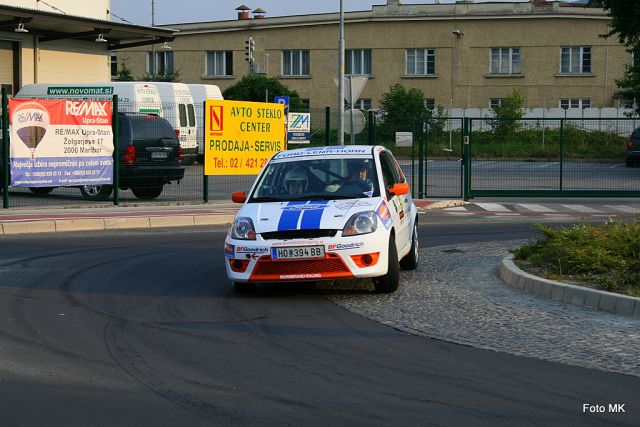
(298, 234)
(330, 267)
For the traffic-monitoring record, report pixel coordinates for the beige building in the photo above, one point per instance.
(467, 54)
(71, 42)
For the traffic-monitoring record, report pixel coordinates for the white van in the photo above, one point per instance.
(179, 110)
(200, 93)
(133, 97)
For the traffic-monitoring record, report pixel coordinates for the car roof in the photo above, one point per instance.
(334, 150)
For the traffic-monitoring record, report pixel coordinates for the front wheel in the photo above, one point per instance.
(147, 193)
(410, 261)
(96, 192)
(389, 282)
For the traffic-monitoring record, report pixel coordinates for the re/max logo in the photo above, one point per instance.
(215, 118)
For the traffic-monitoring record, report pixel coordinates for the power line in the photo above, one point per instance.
(118, 17)
(52, 7)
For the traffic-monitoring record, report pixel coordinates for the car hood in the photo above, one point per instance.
(305, 215)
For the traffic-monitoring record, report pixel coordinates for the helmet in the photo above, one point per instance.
(355, 166)
(296, 176)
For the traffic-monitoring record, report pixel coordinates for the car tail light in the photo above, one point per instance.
(177, 133)
(179, 153)
(629, 144)
(130, 154)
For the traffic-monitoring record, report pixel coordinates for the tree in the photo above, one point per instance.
(402, 109)
(259, 88)
(625, 15)
(124, 73)
(507, 114)
(163, 77)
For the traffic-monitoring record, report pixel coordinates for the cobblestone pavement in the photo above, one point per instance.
(456, 295)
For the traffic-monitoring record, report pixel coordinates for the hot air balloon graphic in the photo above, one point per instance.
(31, 121)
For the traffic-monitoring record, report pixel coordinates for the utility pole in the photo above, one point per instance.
(341, 78)
(152, 62)
(249, 48)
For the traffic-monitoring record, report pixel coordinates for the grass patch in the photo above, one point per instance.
(605, 257)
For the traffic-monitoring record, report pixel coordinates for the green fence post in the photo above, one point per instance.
(327, 125)
(5, 149)
(561, 150)
(205, 178)
(420, 162)
(371, 130)
(413, 168)
(466, 157)
(116, 152)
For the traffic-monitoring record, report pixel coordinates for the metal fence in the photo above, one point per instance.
(453, 157)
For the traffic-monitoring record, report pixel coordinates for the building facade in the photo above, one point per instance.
(462, 55)
(70, 42)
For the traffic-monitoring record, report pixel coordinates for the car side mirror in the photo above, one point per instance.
(399, 189)
(239, 197)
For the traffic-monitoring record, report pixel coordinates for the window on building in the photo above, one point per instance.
(505, 60)
(575, 103)
(160, 62)
(420, 62)
(430, 104)
(358, 61)
(575, 60)
(114, 66)
(495, 102)
(219, 63)
(305, 104)
(635, 57)
(295, 63)
(363, 104)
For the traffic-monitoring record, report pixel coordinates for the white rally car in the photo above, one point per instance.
(324, 213)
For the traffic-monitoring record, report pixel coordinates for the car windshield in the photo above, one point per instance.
(324, 179)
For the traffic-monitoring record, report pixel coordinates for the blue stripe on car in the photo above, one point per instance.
(311, 218)
(289, 218)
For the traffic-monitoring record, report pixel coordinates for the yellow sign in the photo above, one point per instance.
(240, 136)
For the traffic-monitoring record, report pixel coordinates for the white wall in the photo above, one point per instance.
(96, 9)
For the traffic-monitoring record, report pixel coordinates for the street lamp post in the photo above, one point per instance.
(341, 78)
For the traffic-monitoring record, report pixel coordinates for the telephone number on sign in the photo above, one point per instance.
(247, 163)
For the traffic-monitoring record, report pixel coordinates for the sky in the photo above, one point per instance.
(178, 11)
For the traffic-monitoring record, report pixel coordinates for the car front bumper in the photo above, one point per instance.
(345, 257)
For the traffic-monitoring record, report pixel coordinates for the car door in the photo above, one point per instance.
(392, 174)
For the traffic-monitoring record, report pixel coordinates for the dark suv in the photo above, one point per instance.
(149, 155)
(633, 148)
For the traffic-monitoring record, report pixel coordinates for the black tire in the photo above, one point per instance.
(147, 193)
(41, 191)
(96, 192)
(629, 163)
(243, 287)
(410, 260)
(389, 282)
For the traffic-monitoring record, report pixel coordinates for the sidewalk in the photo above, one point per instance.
(96, 218)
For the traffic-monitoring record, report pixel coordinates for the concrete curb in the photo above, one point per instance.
(113, 223)
(566, 293)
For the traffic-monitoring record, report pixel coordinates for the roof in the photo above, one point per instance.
(50, 26)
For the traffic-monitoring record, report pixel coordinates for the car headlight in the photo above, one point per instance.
(242, 229)
(361, 223)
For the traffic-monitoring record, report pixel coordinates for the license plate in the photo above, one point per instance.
(158, 154)
(297, 252)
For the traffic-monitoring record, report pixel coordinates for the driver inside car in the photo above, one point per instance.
(296, 181)
(357, 180)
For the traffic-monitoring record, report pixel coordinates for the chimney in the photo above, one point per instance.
(259, 13)
(243, 12)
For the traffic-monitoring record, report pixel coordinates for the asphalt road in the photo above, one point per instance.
(142, 328)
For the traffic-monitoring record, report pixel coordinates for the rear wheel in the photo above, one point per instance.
(389, 282)
(410, 261)
(629, 163)
(96, 192)
(147, 193)
(41, 191)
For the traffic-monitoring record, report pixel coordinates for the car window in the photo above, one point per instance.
(192, 115)
(182, 113)
(324, 179)
(151, 127)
